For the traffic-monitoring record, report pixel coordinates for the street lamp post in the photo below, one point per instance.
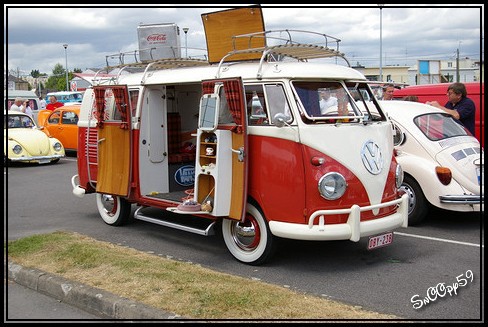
(381, 42)
(185, 29)
(66, 56)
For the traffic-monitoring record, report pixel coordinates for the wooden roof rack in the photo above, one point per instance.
(282, 46)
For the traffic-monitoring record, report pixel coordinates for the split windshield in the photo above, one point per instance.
(337, 102)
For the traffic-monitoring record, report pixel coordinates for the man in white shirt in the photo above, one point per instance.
(17, 105)
(42, 103)
(326, 101)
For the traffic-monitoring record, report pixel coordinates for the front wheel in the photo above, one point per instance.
(113, 209)
(250, 241)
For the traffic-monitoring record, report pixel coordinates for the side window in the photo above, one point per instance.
(70, 118)
(54, 118)
(257, 112)
(225, 116)
(111, 113)
(134, 96)
(117, 115)
(277, 101)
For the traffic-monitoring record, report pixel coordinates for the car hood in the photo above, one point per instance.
(32, 140)
(465, 159)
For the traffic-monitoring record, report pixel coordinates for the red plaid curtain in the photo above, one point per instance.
(121, 104)
(100, 105)
(208, 87)
(233, 93)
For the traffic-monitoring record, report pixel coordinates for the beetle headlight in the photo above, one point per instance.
(57, 146)
(332, 186)
(398, 176)
(17, 149)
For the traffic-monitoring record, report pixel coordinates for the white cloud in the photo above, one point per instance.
(92, 33)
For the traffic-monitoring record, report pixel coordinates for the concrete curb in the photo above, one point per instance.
(90, 299)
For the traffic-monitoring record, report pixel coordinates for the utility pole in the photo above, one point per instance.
(381, 41)
(457, 65)
(185, 29)
(65, 46)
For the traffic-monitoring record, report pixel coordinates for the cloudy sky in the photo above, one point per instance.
(34, 35)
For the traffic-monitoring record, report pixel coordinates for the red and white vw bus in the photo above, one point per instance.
(249, 145)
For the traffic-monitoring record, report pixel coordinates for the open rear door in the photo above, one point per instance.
(114, 143)
(222, 172)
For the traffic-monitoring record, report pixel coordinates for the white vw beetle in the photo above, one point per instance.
(442, 162)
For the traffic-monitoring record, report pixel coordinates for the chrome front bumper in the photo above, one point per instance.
(352, 230)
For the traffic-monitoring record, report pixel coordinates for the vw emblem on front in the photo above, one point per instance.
(372, 157)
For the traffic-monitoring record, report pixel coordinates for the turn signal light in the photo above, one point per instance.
(443, 174)
(317, 161)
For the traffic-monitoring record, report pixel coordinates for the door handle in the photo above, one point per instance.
(101, 140)
(240, 153)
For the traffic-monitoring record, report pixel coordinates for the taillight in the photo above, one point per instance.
(443, 174)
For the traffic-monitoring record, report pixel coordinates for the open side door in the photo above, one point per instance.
(114, 139)
(222, 163)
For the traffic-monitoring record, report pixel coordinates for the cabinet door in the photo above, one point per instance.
(232, 104)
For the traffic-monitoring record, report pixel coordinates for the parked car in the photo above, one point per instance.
(61, 123)
(10, 96)
(438, 92)
(442, 162)
(24, 142)
(66, 97)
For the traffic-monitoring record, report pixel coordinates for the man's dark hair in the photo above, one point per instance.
(458, 88)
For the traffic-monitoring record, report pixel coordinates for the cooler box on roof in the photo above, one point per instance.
(158, 41)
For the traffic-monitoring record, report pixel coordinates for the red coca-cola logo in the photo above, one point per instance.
(154, 38)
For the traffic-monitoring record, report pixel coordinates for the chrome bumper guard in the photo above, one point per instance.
(352, 230)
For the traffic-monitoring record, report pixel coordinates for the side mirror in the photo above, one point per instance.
(279, 120)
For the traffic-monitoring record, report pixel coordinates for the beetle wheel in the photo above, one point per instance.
(418, 207)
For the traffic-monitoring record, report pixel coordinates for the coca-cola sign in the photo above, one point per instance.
(156, 38)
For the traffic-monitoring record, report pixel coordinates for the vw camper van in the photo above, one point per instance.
(183, 140)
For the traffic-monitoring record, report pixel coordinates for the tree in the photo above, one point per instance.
(57, 81)
(35, 73)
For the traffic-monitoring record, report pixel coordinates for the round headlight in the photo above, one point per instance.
(398, 176)
(17, 149)
(332, 186)
(57, 146)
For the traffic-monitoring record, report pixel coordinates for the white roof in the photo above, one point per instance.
(246, 70)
